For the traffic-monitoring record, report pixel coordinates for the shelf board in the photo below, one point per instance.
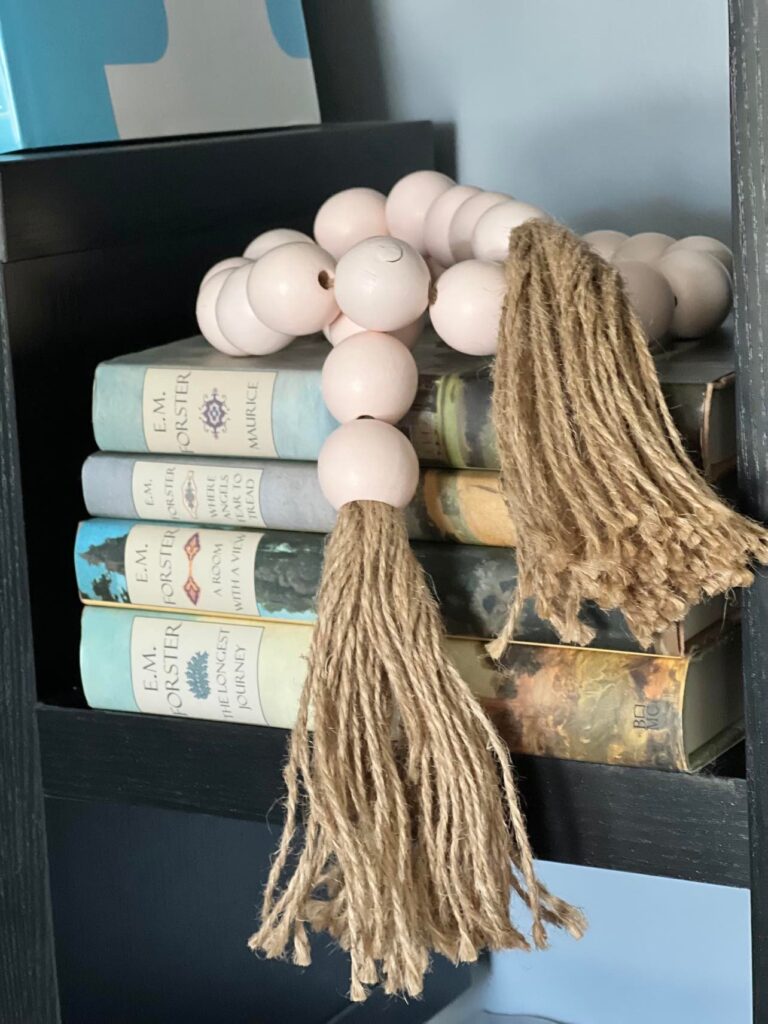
(628, 819)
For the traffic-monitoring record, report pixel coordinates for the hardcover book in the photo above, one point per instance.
(591, 705)
(275, 575)
(465, 506)
(186, 398)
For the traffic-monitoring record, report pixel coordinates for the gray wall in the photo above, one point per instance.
(609, 113)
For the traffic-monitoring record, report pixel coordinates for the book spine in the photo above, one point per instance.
(270, 414)
(275, 575)
(280, 414)
(607, 707)
(461, 506)
(559, 702)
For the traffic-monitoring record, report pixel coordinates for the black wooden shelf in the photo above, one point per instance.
(629, 819)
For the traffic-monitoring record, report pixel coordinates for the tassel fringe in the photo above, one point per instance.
(606, 502)
(403, 830)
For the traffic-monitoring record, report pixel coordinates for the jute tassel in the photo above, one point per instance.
(403, 830)
(607, 504)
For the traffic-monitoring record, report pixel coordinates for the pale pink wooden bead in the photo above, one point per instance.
(269, 240)
(205, 311)
(369, 374)
(467, 309)
(239, 324)
(408, 202)
(291, 289)
(490, 239)
(465, 219)
(703, 243)
(350, 217)
(382, 284)
(649, 295)
(343, 328)
(229, 264)
(436, 270)
(702, 289)
(647, 247)
(411, 333)
(605, 242)
(437, 225)
(367, 460)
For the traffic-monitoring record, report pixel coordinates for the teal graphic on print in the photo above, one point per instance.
(286, 20)
(197, 675)
(55, 53)
(100, 567)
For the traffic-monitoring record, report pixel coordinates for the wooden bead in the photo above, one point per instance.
(269, 240)
(408, 202)
(369, 374)
(649, 295)
(237, 321)
(605, 242)
(437, 225)
(382, 284)
(702, 289)
(703, 243)
(490, 239)
(367, 460)
(290, 289)
(350, 217)
(411, 333)
(464, 221)
(229, 264)
(467, 309)
(343, 328)
(205, 311)
(647, 247)
(436, 269)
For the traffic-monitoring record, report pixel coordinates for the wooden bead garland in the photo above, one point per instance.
(402, 758)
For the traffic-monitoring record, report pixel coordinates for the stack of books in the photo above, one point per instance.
(201, 562)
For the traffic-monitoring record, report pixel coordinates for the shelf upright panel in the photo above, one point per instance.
(749, 153)
(28, 990)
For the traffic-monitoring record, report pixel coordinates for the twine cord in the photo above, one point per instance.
(403, 831)
(606, 502)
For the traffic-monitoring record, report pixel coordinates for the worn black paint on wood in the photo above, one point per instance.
(28, 993)
(749, 148)
(99, 197)
(630, 819)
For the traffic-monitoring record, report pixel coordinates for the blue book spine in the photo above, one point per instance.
(193, 666)
(188, 399)
(204, 667)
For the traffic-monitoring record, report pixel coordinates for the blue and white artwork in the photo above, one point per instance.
(74, 71)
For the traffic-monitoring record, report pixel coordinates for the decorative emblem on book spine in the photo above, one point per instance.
(197, 675)
(189, 494)
(214, 413)
(191, 587)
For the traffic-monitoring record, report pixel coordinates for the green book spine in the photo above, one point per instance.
(274, 574)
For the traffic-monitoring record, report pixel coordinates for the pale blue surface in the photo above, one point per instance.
(610, 113)
(658, 951)
(105, 664)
